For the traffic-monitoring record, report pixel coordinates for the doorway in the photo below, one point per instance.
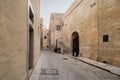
(31, 48)
(75, 44)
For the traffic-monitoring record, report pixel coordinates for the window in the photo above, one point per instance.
(58, 27)
(45, 37)
(105, 38)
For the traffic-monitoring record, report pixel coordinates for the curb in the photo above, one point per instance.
(94, 65)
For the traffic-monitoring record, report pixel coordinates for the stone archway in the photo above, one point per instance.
(75, 44)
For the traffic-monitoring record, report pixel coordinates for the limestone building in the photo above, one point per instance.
(41, 33)
(45, 38)
(19, 38)
(55, 29)
(93, 28)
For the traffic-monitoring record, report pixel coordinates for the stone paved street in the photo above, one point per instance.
(53, 66)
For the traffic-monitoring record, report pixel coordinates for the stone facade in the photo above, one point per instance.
(92, 20)
(41, 32)
(55, 29)
(36, 25)
(85, 24)
(109, 26)
(45, 38)
(15, 38)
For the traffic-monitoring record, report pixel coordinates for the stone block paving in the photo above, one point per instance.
(53, 66)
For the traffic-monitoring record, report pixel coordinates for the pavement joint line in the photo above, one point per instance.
(93, 65)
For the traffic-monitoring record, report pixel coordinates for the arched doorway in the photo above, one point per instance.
(75, 44)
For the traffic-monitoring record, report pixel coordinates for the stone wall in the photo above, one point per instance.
(36, 8)
(14, 40)
(82, 18)
(93, 20)
(41, 33)
(109, 24)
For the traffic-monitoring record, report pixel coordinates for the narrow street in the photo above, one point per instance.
(53, 66)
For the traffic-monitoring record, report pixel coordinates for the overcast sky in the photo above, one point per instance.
(52, 6)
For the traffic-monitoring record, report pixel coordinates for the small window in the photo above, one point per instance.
(45, 37)
(105, 38)
(58, 27)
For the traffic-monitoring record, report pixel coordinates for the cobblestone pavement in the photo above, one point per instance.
(53, 66)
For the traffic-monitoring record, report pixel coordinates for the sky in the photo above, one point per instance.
(53, 6)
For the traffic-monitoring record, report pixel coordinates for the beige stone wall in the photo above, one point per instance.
(41, 33)
(109, 24)
(82, 18)
(36, 7)
(93, 19)
(13, 39)
(54, 33)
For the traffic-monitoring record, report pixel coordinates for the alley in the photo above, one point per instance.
(53, 66)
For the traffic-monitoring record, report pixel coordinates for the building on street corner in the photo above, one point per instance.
(55, 29)
(19, 38)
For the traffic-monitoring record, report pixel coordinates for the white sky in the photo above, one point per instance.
(52, 6)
